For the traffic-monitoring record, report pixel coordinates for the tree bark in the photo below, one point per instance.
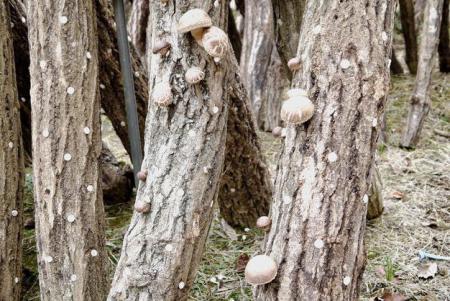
(235, 36)
(409, 33)
(444, 40)
(116, 184)
(396, 67)
(11, 167)
(375, 207)
(66, 149)
(137, 26)
(420, 99)
(323, 177)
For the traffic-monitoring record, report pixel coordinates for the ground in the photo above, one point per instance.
(416, 194)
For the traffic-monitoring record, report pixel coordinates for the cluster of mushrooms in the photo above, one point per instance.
(213, 39)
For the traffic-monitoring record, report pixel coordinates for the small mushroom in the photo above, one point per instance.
(194, 75)
(216, 43)
(142, 207)
(276, 132)
(297, 109)
(161, 47)
(142, 175)
(195, 21)
(162, 94)
(264, 222)
(296, 92)
(261, 269)
(294, 64)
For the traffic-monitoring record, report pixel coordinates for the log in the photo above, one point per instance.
(409, 33)
(444, 40)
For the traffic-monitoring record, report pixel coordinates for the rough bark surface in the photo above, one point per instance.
(409, 33)
(261, 67)
(184, 155)
(323, 177)
(420, 99)
(137, 26)
(444, 40)
(375, 207)
(66, 148)
(11, 167)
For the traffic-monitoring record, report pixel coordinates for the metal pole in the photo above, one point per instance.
(128, 85)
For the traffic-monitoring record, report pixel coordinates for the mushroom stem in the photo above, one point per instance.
(197, 34)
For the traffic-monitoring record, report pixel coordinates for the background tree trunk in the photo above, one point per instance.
(444, 40)
(11, 168)
(420, 99)
(162, 249)
(66, 149)
(409, 33)
(321, 187)
(137, 26)
(261, 68)
(396, 67)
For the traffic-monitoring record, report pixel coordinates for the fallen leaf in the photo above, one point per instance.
(241, 262)
(397, 195)
(427, 270)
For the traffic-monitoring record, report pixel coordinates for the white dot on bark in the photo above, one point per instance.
(136, 74)
(45, 133)
(217, 59)
(384, 36)
(94, 253)
(67, 157)
(233, 5)
(389, 61)
(12, 24)
(433, 13)
(317, 29)
(374, 122)
(10, 144)
(48, 259)
(129, 39)
(73, 277)
(23, 99)
(205, 169)
(191, 133)
(232, 190)
(216, 3)
(16, 280)
(90, 188)
(122, 123)
(215, 110)
(23, 19)
(319, 243)
(365, 199)
(347, 280)
(14, 213)
(70, 90)
(88, 55)
(87, 130)
(332, 157)
(181, 285)
(102, 86)
(70, 218)
(63, 19)
(168, 248)
(345, 64)
(43, 64)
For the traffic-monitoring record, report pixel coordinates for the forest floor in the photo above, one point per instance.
(416, 191)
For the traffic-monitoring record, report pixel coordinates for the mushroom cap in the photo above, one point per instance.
(277, 131)
(297, 110)
(264, 222)
(161, 46)
(261, 269)
(142, 207)
(142, 175)
(296, 92)
(215, 41)
(294, 64)
(193, 19)
(162, 94)
(194, 75)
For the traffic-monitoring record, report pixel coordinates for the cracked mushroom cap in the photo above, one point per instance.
(297, 110)
(162, 94)
(194, 75)
(261, 269)
(215, 41)
(193, 19)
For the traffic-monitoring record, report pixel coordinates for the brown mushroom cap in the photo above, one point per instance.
(261, 269)
(215, 41)
(264, 222)
(162, 94)
(294, 64)
(194, 75)
(161, 46)
(297, 110)
(142, 207)
(193, 19)
(142, 175)
(277, 131)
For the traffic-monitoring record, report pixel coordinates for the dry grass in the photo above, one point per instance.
(393, 240)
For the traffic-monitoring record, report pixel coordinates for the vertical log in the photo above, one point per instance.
(66, 149)
(420, 99)
(137, 26)
(396, 67)
(323, 177)
(162, 248)
(409, 33)
(11, 167)
(444, 40)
